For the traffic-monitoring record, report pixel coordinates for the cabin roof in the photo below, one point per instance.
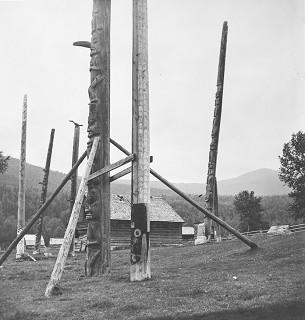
(160, 210)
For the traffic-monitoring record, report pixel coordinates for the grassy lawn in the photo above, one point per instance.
(225, 280)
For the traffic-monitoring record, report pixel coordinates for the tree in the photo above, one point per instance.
(3, 162)
(249, 207)
(292, 173)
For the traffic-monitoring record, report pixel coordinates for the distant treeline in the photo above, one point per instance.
(57, 215)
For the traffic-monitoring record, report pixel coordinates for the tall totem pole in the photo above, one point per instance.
(97, 206)
(211, 196)
(140, 222)
(21, 191)
(43, 195)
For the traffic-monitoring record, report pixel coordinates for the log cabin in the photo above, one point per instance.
(165, 223)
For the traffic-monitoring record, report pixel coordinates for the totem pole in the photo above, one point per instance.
(211, 185)
(140, 222)
(97, 206)
(74, 176)
(21, 191)
(44, 193)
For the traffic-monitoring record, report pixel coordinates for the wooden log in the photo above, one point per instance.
(194, 203)
(205, 211)
(211, 175)
(44, 190)
(21, 191)
(53, 285)
(41, 210)
(112, 166)
(75, 151)
(140, 189)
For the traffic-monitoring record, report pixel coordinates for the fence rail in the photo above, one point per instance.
(294, 228)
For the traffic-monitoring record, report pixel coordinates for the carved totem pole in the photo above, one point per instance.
(211, 196)
(97, 206)
(21, 191)
(140, 222)
(43, 195)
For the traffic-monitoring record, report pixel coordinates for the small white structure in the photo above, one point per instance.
(30, 240)
(56, 241)
(188, 233)
(201, 238)
(279, 230)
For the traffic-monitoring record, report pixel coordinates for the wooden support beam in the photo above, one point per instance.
(44, 190)
(140, 189)
(123, 172)
(21, 190)
(194, 203)
(111, 167)
(120, 174)
(53, 285)
(41, 210)
(205, 211)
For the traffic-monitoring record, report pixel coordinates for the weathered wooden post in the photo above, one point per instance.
(53, 285)
(21, 192)
(74, 176)
(97, 206)
(210, 196)
(43, 196)
(140, 222)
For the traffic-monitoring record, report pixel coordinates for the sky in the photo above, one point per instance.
(263, 89)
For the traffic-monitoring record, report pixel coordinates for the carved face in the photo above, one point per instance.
(93, 127)
(92, 204)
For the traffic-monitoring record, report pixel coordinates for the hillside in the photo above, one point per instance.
(217, 281)
(264, 182)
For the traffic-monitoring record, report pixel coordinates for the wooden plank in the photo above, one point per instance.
(120, 174)
(140, 189)
(21, 190)
(53, 285)
(41, 210)
(111, 167)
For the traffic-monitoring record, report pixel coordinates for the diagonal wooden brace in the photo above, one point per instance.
(195, 204)
(111, 167)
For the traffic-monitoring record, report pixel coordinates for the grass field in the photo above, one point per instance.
(225, 280)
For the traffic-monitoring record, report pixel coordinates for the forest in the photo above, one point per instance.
(57, 215)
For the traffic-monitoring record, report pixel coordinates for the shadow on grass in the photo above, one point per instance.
(290, 310)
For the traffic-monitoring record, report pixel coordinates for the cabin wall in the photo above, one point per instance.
(161, 233)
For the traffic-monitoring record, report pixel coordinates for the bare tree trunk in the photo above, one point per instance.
(43, 196)
(97, 207)
(21, 192)
(140, 223)
(211, 178)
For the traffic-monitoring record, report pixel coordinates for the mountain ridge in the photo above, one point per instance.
(264, 182)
